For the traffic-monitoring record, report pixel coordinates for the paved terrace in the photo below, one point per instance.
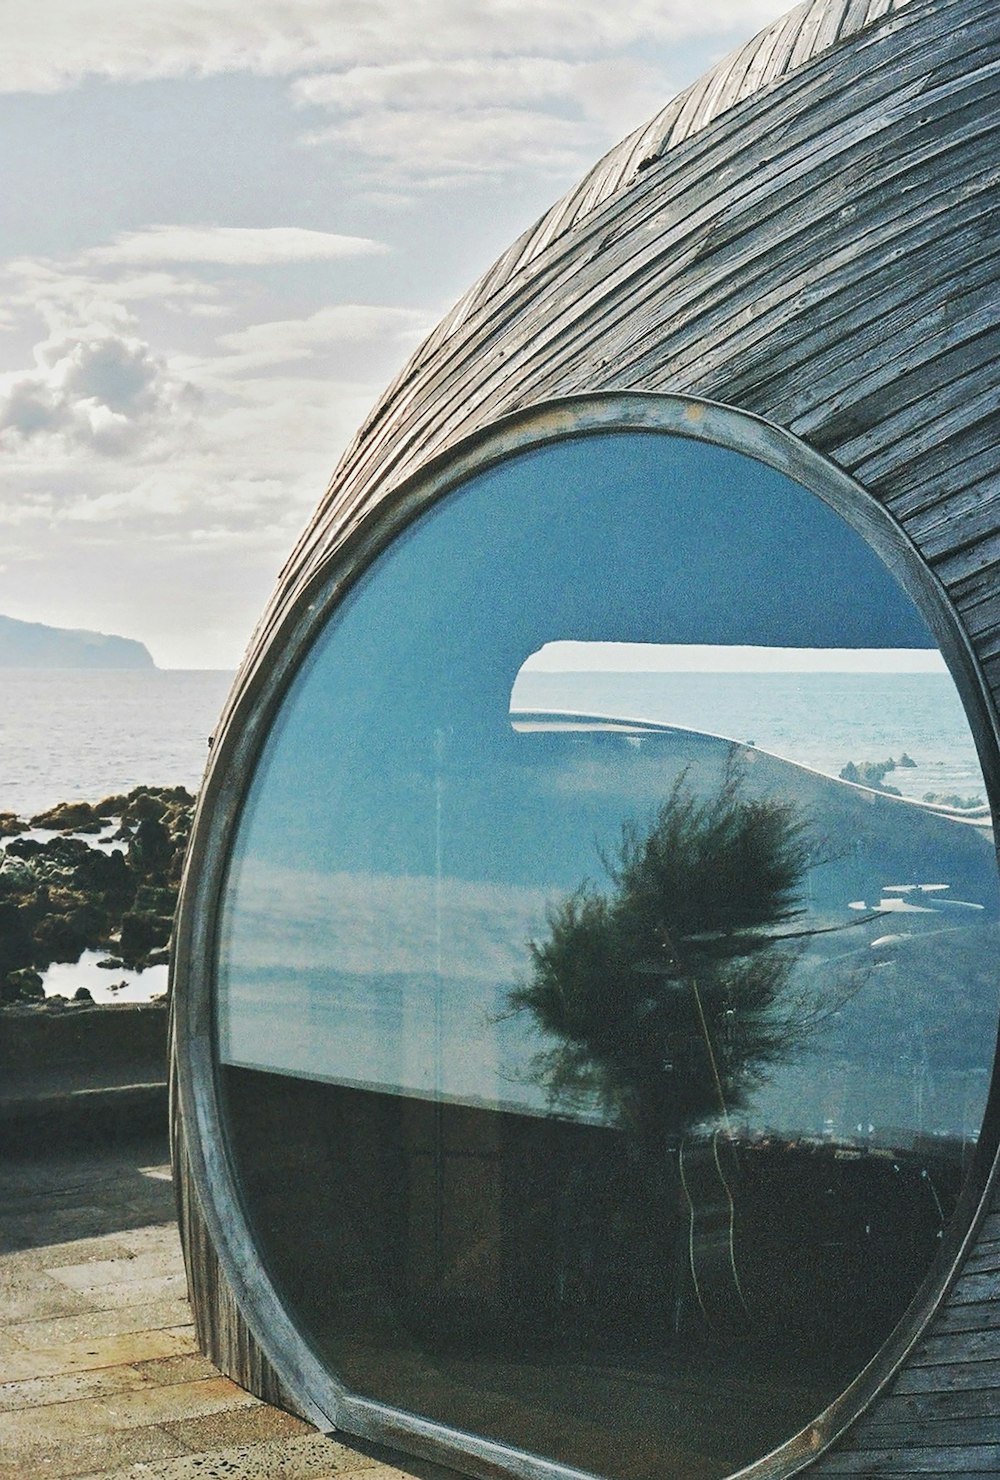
(99, 1373)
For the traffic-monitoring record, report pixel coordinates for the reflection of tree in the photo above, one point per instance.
(667, 997)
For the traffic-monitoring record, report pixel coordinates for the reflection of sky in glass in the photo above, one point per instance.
(402, 842)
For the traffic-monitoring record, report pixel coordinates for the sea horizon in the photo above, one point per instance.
(82, 734)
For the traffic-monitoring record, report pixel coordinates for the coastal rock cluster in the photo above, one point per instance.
(873, 773)
(106, 880)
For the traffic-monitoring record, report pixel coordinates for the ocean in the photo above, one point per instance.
(81, 735)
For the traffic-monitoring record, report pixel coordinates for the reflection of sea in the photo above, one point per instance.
(394, 978)
(341, 976)
(822, 720)
(862, 1081)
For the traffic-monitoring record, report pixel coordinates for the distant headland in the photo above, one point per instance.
(33, 645)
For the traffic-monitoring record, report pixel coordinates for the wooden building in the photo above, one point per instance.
(720, 1199)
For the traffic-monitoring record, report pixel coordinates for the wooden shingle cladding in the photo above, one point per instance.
(810, 234)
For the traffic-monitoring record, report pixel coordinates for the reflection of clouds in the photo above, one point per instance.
(378, 924)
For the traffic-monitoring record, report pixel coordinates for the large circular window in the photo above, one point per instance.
(605, 997)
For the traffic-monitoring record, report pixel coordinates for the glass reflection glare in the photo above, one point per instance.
(601, 1067)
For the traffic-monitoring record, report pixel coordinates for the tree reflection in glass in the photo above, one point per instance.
(668, 999)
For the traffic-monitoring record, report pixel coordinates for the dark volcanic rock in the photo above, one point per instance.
(17, 948)
(63, 896)
(142, 805)
(152, 847)
(142, 934)
(21, 986)
(67, 817)
(112, 806)
(65, 936)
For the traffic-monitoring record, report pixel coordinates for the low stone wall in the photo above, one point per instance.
(83, 1065)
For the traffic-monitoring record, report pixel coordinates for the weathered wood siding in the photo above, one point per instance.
(810, 234)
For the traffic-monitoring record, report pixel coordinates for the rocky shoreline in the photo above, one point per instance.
(88, 876)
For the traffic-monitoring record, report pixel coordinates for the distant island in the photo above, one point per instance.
(33, 645)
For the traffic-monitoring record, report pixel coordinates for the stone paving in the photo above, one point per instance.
(100, 1378)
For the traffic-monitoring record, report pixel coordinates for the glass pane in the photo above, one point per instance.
(605, 1008)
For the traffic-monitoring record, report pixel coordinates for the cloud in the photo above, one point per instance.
(58, 43)
(449, 85)
(74, 298)
(437, 147)
(280, 341)
(534, 86)
(478, 117)
(103, 391)
(231, 246)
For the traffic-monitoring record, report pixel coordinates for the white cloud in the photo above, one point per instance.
(457, 84)
(232, 246)
(53, 45)
(103, 391)
(70, 298)
(436, 147)
(283, 340)
(477, 117)
(108, 456)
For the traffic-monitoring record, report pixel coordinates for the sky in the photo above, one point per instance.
(224, 228)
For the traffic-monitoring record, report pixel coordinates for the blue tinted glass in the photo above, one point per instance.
(601, 998)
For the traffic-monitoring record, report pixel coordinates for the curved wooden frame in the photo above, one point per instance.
(809, 235)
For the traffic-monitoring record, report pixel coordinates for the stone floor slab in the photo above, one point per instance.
(83, 1355)
(238, 1427)
(30, 1295)
(100, 1376)
(95, 1324)
(133, 1269)
(74, 1456)
(31, 1431)
(164, 1370)
(35, 1255)
(153, 1236)
(304, 1457)
(37, 1392)
(144, 1293)
(178, 1400)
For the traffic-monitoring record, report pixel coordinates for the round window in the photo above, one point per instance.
(605, 1003)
